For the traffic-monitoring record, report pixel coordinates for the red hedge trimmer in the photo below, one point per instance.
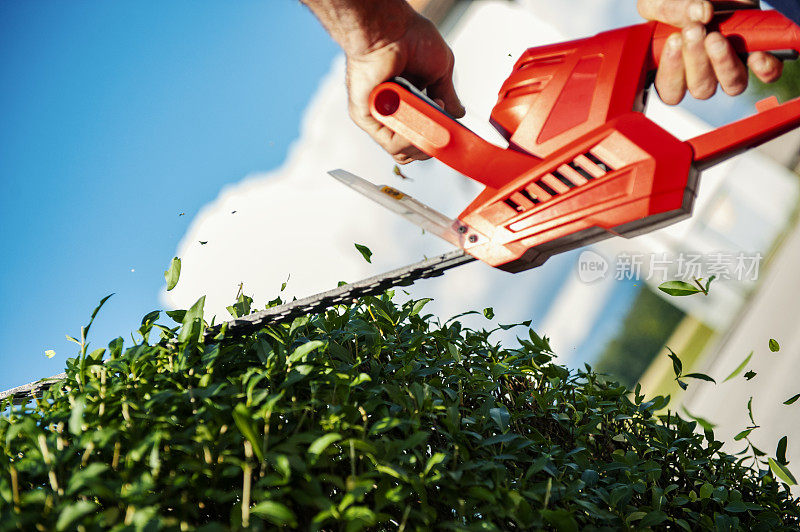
(583, 162)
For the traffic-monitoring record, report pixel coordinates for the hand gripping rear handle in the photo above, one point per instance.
(750, 30)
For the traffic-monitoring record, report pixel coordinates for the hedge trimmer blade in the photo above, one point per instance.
(342, 295)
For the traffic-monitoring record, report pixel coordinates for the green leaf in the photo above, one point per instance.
(73, 513)
(85, 476)
(244, 421)
(739, 368)
(708, 283)
(501, 416)
(678, 288)
(433, 461)
(76, 417)
(561, 520)
(302, 351)
(150, 318)
(192, 325)
(241, 307)
(750, 374)
(176, 315)
(677, 365)
(706, 424)
(736, 507)
(792, 399)
(384, 424)
(275, 512)
(365, 252)
(501, 438)
(750, 410)
(782, 472)
(322, 443)
(489, 313)
(653, 518)
(780, 453)
(701, 376)
(774, 346)
(417, 308)
(173, 273)
(94, 314)
(742, 435)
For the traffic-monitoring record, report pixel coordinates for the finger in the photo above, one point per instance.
(361, 79)
(444, 91)
(700, 78)
(671, 76)
(728, 68)
(766, 67)
(679, 13)
(405, 158)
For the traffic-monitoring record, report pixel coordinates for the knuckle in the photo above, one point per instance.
(717, 47)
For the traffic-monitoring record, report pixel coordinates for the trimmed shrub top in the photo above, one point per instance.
(370, 416)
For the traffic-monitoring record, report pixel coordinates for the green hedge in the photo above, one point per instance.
(370, 416)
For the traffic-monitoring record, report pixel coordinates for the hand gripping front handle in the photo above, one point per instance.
(407, 111)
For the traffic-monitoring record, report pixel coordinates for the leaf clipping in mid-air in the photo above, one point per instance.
(792, 399)
(750, 410)
(739, 368)
(701, 376)
(365, 252)
(677, 365)
(678, 288)
(774, 346)
(780, 453)
(173, 273)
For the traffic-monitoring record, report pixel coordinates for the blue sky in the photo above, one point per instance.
(117, 117)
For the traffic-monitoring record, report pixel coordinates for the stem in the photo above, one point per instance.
(700, 286)
(248, 453)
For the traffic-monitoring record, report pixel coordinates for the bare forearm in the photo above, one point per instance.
(360, 26)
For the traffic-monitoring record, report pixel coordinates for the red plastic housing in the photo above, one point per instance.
(583, 162)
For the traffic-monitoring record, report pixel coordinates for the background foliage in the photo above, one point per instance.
(647, 326)
(369, 416)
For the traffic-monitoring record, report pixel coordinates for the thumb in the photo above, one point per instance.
(444, 90)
